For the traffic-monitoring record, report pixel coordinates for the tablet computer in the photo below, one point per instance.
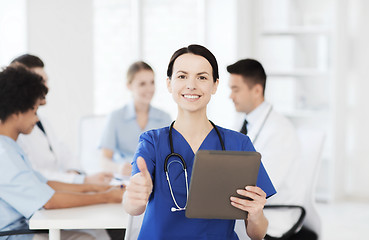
(216, 176)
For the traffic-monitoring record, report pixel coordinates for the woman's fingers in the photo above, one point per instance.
(253, 206)
(241, 201)
(256, 190)
(139, 180)
(138, 188)
(248, 194)
(137, 196)
(240, 206)
(140, 185)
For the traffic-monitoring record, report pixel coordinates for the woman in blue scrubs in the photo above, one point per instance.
(192, 79)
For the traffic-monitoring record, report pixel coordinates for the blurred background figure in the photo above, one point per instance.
(274, 136)
(23, 190)
(47, 154)
(124, 126)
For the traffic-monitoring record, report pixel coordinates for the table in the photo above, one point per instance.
(99, 216)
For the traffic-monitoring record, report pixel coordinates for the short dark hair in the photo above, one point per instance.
(197, 50)
(19, 91)
(135, 68)
(30, 61)
(251, 70)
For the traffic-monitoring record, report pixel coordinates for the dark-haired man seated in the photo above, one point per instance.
(23, 191)
(275, 137)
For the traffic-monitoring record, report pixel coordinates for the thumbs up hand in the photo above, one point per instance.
(138, 190)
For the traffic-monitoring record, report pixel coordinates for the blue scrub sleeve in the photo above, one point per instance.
(109, 135)
(22, 188)
(263, 180)
(146, 150)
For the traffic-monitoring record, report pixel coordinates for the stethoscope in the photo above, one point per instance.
(262, 124)
(183, 164)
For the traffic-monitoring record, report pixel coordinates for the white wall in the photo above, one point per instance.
(221, 39)
(357, 87)
(13, 30)
(60, 32)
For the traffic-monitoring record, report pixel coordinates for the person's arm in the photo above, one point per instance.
(256, 223)
(138, 190)
(62, 199)
(107, 153)
(99, 178)
(77, 188)
(107, 163)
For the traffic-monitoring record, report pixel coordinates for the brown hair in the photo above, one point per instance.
(135, 68)
(196, 50)
(30, 61)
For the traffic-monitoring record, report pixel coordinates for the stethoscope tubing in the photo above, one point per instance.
(183, 163)
(263, 124)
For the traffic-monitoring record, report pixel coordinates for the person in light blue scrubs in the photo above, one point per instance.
(192, 80)
(23, 190)
(124, 126)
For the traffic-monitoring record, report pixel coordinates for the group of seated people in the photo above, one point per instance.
(36, 166)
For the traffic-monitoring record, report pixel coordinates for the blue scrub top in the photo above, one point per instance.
(122, 132)
(22, 190)
(159, 222)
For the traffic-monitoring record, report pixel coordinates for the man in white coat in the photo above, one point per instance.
(46, 153)
(273, 136)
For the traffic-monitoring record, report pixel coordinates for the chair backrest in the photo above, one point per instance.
(22, 232)
(91, 128)
(311, 142)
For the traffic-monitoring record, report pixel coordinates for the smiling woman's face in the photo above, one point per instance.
(191, 84)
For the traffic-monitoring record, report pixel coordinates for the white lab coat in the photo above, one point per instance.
(278, 144)
(54, 163)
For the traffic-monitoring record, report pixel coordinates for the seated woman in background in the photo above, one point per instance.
(124, 126)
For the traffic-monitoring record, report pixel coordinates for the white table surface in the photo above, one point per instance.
(99, 216)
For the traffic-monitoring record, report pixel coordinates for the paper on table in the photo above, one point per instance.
(119, 179)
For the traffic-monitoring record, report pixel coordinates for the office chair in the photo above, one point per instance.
(311, 142)
(22, 232)
(90, 132)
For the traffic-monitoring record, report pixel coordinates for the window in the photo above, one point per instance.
(148, 30)
(112, 53)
